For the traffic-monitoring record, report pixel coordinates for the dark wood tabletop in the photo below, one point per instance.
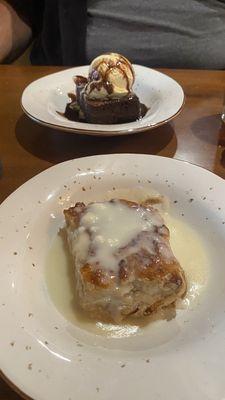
(197, 135)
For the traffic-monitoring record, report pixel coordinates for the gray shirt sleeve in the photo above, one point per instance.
(158, 33)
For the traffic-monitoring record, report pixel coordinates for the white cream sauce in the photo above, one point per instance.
(187, 246)
(193, 257)
(112, 226)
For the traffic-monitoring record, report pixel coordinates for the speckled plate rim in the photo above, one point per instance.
(106, 133)
(121, 128)
(14, 387)
(211, 179)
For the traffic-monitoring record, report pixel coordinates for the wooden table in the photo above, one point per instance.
(197, 135)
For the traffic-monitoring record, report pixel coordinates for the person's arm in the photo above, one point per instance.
(15, 34)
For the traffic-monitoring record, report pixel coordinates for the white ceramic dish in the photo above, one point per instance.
(44, 97)
(46, 356)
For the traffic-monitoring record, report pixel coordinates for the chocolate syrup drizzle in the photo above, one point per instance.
(122, 64)
(74, 110)
(80, 80)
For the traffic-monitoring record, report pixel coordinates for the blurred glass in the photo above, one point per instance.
(223, 110)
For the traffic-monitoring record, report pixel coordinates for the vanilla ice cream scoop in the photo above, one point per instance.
(111, 75)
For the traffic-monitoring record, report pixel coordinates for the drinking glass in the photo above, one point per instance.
(223, 109)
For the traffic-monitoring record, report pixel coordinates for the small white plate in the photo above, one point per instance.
(44, 97)
(48, 357)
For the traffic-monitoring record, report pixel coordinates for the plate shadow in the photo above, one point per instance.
(208, 128)
(57, 146)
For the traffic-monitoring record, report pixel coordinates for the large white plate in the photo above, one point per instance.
(46, 356)
(44, 97)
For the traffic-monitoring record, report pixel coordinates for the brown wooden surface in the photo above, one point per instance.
(26, 148)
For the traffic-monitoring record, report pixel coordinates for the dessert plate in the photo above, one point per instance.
(46, 97)
(44, 355)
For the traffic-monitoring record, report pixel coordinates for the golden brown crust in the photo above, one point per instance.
(73, 215)
(96, 276)
(154, 266)
(151, 276)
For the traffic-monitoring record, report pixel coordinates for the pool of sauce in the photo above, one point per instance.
(188, 248)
